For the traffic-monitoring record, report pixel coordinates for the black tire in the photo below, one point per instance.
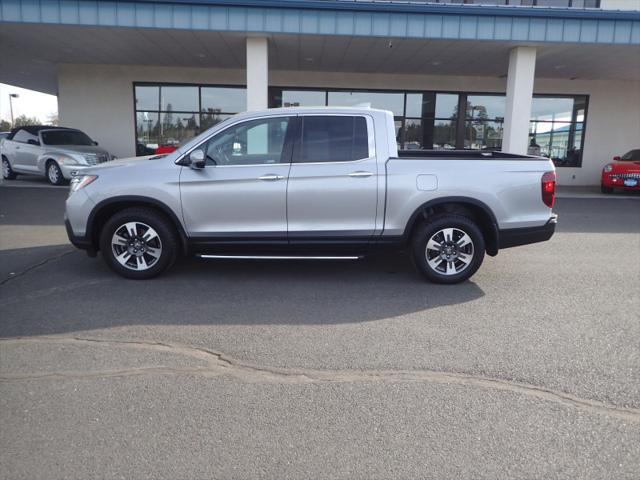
(53, 173)
(7, 171)
(604, 189)
(473, 252)
(167, 243)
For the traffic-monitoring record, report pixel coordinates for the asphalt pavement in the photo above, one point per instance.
(262, 369)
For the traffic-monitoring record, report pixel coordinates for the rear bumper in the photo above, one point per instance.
(515, 237)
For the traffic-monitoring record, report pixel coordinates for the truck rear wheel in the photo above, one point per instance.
(448, 248)
(138, 243)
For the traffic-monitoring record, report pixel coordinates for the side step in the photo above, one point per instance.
(277, 257)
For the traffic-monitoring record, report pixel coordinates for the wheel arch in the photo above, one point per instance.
(472, 208)
(107, 208)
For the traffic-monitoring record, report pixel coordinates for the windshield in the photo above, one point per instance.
(65, 137)
(631, 156)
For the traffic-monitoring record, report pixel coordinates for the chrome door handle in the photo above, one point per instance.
(271, 177)
(360, 174)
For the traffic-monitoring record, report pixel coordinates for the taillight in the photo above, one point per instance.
(549, 188)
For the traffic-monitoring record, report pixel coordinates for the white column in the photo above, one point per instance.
(522, 67)
(257, 73)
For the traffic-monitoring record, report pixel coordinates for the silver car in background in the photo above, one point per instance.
(54, 152)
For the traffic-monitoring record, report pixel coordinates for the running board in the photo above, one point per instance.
(277, 257)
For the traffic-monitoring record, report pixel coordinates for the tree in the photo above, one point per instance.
(23, 121)
(5, 126)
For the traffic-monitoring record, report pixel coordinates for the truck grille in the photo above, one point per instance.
(624, 176)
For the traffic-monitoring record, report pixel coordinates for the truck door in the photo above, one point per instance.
(333, 182)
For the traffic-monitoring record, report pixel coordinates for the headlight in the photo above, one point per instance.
(68, 160)
(607, 168)
(81, 181)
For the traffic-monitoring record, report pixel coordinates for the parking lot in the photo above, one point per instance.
(245, 369)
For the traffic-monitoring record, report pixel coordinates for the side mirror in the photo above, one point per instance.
(616, 158)
(197, 159)
(31, 141)
(95, 143)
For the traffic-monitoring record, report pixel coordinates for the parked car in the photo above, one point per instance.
(310, 183)
(624, 172)
(4, 135)
(54, 152)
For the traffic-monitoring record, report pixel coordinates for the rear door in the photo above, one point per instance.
(240, 194)
(332, 189)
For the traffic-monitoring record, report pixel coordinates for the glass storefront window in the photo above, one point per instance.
(147, 129)
(550, 109)
(446, 105)
(223, 99)
(483, 135)
(385, 101)
(175, 128)
(303, 98)
(179, 99)
(147, 98)
(444, 135)
(486, 106)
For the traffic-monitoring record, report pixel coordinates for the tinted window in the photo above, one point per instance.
(632, 155)
(334, 139)
(254, 142)
(23, 136)
(65, 137)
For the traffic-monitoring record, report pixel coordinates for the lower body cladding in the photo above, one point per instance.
(139, 243)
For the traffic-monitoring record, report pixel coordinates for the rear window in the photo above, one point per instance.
(333, 139)
(65, 137)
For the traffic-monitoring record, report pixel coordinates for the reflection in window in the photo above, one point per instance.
(169, 115)
(303, 98)
(182, 99)
(556, 129)
(147, 98)
(385, 101)
(223, 99)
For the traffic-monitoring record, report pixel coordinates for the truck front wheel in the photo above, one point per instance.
(448, 248)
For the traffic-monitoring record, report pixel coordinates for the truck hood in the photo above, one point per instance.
(122, 163)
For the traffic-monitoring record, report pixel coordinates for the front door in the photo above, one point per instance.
(240, 195)
(332, 193)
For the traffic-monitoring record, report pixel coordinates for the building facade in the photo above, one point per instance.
(559, 78)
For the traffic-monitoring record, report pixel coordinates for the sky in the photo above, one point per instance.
(29, 103)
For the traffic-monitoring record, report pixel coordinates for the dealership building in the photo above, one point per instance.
(559, 78)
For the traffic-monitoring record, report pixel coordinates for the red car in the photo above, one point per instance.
(166, 149)
(624, 172)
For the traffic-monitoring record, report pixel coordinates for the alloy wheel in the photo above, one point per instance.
(449, 251)
(136, 246)
(53, 173)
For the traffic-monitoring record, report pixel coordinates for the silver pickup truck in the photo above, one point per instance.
(310, 183)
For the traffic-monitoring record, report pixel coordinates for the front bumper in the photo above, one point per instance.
(77, 241)
(68, 170)
(614, 181)
(514, 237)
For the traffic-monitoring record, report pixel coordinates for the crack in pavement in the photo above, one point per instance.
(36, 265)
(219, 364)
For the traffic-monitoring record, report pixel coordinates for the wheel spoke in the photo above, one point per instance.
(149, 235)
(154, 252)
(466, 259)
(131, 229)
(435, 262)
(433, 245)
(119, 240)
(451, 268)
(448, 234)
(142, 263)
(124, 257)
(464, 241)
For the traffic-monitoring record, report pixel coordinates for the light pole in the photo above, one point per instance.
(11, 97)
